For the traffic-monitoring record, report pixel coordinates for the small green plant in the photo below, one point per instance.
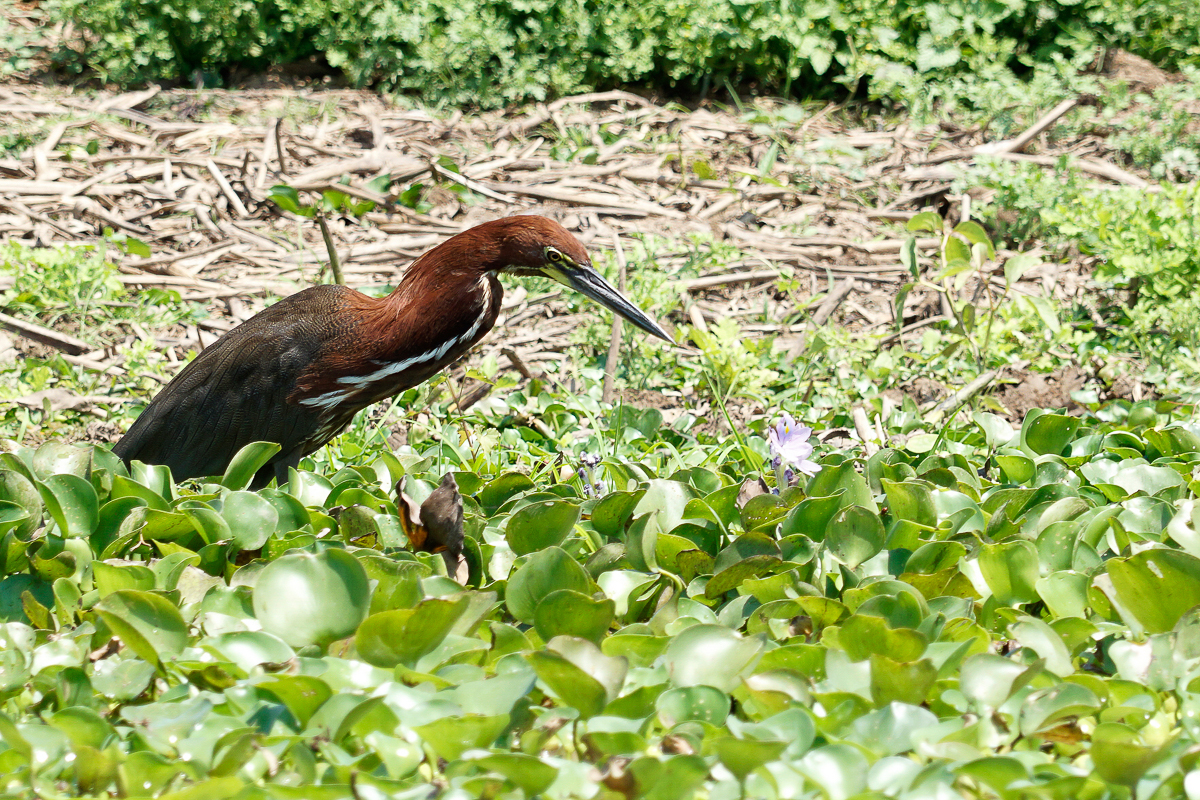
(732, 363)
(967, 256)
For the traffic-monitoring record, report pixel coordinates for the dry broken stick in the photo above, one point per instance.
(47, 336)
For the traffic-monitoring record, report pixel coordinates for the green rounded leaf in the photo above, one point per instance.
(1157, 586)
(693, 703)
(743, 756)
(545, 571)
(312, 599)
(249, 649)
(1011, 571)
(251, 518)
(571, 613)
(72, 502)
(401, 636)
(19, 491)
(149, 624)
(1047, 433)
(710, 655)
(540, 525)
(60, 458)
(855, 535)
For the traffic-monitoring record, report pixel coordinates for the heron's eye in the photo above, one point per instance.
(554, 255)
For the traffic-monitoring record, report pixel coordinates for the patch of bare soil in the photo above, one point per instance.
(1037, 390)
(1136, 71)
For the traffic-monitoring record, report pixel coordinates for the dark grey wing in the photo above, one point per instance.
(235, 392)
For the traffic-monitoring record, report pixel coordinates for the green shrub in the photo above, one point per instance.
(1146, 241)
(127, 41)
(491, 52)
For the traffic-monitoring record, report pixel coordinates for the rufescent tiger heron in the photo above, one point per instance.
(297, 372)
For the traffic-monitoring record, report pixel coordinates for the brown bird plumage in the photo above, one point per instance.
(297, 372)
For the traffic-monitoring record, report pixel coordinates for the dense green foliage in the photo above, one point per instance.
(489, 52)
(977, 610)
(1146, 245)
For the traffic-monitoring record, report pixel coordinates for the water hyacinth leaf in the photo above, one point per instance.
(764, 511)
(211, 526)
(60, 458)
(532, 775)
(149, 624)
(251, 518)
(839, 769)
(301, 694)
(1043, 640)
(18, 493)
(1146, 478)
(249, 649)
(72, 502)
(116, 576)
(400, 757)
(312, 599)
(810, 517)
(127, 487)
(855, 535)
(308, 488)
(987, 680)
(1018, 469)
(167, 526)
(911, 500)
(833, 479)
(13, 517)
(641, 543)
(572, 685)
(997, 431)
(540, 525)
(901, 682)
(571, 613)
(892, 728)
(666, 501)
(1119, 756)
(1174, 440)
(863, 635)
(1010, 570)
(247, 461)
(1157, 586)
(452, 736)
(1047, 433)
(710, 655)
(402, 636)
(292, 513)
(736, 574)
(610, 671)
(743, 756)
(668, 548)
(1046, 708)
(1064, 593)
(693, 704)
(671, 778)
(500, 490)
(544, 572)
(1146, 516)
(83, 726)
(613, 512)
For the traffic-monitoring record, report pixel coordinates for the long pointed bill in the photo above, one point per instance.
(589, 283)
